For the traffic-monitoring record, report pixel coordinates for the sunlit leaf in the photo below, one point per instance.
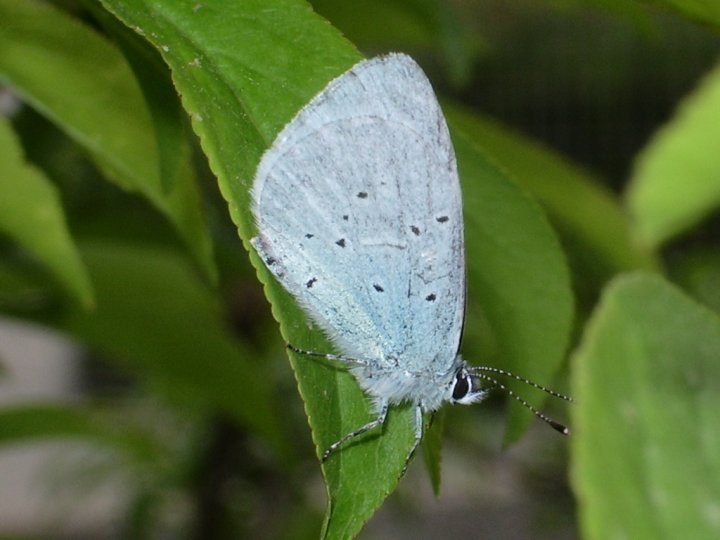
(646, 436)
(676, 182)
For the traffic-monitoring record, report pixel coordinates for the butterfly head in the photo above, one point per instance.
(467, 388)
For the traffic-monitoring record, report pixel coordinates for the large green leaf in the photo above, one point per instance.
(517, 277)
(646, 433)
(32, 215)
(82, 83)
(676, 182)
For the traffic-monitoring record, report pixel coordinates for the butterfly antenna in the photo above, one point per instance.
(557, 426)
(477, 370)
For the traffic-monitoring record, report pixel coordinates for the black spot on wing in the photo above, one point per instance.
(362, 195)
(430, 297)
(442, 219)
(415, 230)
(341, 242)
(378, 288)
(311, 282)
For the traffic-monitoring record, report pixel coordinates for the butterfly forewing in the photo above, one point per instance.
(359, 215)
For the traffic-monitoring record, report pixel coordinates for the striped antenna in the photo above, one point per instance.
(478, 370)
(557, 426)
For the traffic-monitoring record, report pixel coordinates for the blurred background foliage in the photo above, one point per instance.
(183, 406)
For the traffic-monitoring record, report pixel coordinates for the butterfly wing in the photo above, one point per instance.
(359, 214)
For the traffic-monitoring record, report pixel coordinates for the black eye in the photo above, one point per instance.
(462, 386)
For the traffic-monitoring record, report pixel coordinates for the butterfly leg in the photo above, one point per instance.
(380, 420)
(328, 356)
(419, 428)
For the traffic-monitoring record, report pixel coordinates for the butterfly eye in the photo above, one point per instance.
(462, 385)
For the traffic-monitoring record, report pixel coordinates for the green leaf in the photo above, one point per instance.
(517, 280)
(31, 214)
(646, 434)
(675, 182)
(432, 448)
(156, 318)
(586, 214)
(75, 78)
(154, 79)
